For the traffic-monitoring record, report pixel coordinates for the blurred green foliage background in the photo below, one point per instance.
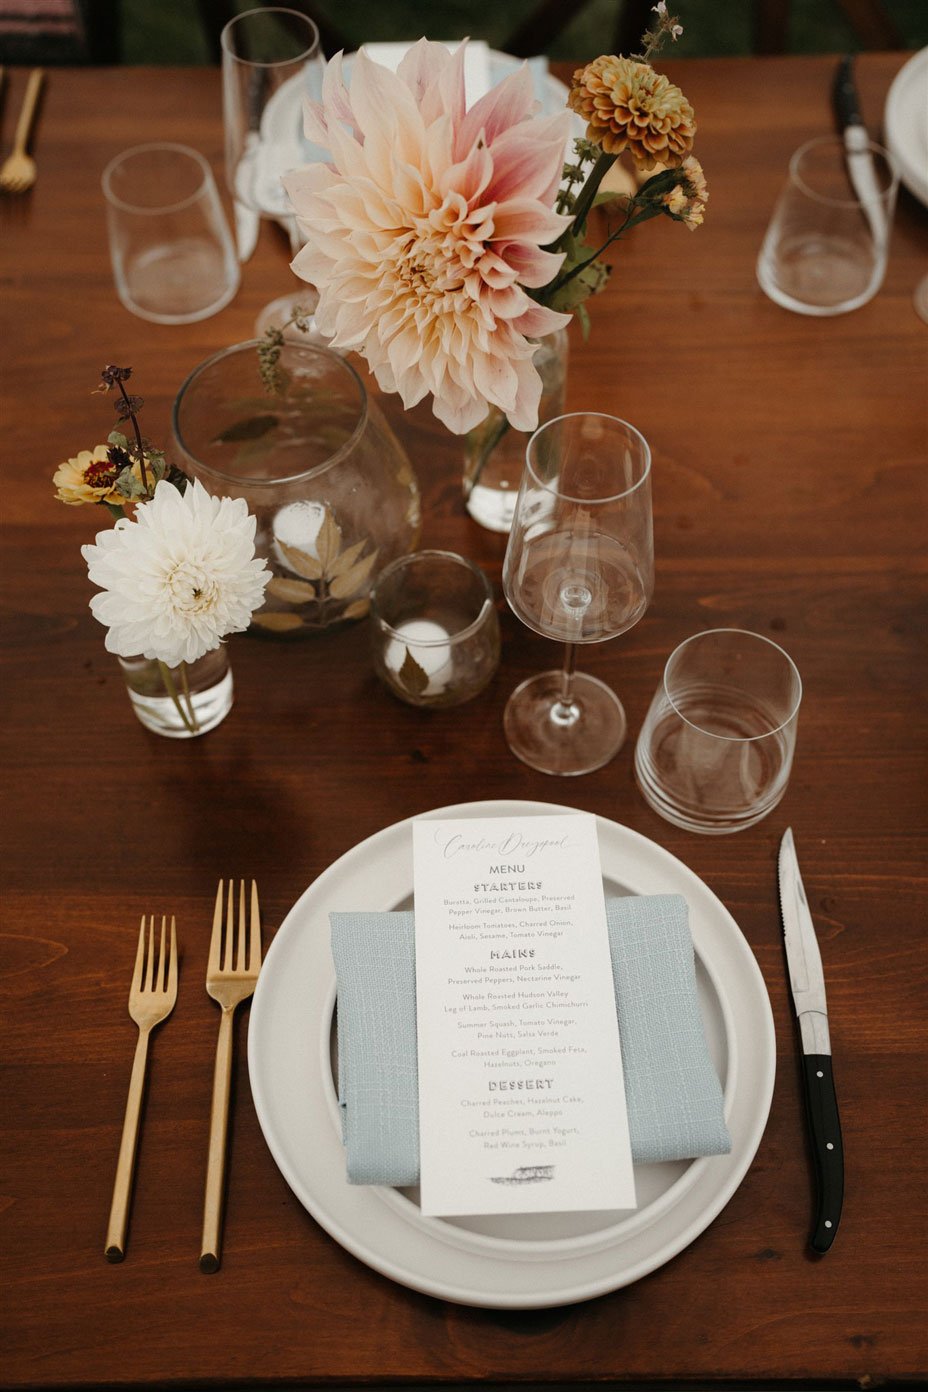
(163, 31)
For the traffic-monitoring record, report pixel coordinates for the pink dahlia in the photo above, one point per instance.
(427, 229)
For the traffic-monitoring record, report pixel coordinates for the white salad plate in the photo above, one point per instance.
(906, 124)
(282, 119)
(522, 1261)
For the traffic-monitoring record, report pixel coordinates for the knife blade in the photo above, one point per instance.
(860, 167)
(807, 981)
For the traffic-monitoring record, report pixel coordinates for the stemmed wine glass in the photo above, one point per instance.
(579, 568)
(264, 51)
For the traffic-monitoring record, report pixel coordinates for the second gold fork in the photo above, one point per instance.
(231, 975)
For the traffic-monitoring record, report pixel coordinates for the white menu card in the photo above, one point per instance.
(521, 1097)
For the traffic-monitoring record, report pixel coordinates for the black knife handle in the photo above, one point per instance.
(844, 95)
(827, 1150)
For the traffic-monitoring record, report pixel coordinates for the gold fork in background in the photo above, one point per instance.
(19, 172)
(234, 963)
(151, 1000)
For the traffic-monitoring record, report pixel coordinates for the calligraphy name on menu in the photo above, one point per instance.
(521, 1098)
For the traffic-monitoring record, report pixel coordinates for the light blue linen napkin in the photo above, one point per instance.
(672, 1092)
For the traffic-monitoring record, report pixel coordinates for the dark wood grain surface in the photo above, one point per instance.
(790, 498)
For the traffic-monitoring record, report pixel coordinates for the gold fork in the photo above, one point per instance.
(151, 1000)
(19, 172)
(234, 963)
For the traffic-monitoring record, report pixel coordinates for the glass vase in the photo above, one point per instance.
(434, 629)
(180, 702)
(495, 453)
(331, 487)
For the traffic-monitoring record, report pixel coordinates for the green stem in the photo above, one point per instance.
(493, 439)
(627, 226)
(185, 686)
(585, 198)
(138, 436)
(190, 722)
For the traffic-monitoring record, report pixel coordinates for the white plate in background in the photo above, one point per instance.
(906, 124)
(283, 116)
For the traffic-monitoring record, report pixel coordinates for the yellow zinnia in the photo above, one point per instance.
(629, 106)
(89, 477)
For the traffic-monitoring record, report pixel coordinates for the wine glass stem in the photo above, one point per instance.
(564, 711)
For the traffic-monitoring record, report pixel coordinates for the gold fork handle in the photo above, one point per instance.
(115, 1248)
(24, 124)
(211, 1245)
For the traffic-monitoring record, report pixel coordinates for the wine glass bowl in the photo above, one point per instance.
(579, 568)
(270, 58)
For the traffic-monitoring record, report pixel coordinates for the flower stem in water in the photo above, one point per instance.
(187, 716)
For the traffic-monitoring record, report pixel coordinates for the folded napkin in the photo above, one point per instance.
(672, 1093)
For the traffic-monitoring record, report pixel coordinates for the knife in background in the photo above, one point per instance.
(857, 145)
(807, 981)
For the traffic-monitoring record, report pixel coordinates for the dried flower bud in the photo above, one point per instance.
(119, 458)
(112, 374)
(128, 406)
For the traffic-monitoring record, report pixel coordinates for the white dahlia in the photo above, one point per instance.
(179, 578)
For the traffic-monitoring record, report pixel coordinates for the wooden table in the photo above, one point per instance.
(790, 498)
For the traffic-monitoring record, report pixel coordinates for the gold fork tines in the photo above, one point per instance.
(231, 975)
(152, 995)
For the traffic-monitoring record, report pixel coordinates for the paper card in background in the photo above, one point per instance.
(521, 1096)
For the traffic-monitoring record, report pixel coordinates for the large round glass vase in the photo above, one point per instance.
(579, 568)
(331, 487)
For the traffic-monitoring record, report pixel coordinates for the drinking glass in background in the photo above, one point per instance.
(271, 60)
(173, 257)
(827, 243)
(579, 568)
(716, 748)
(434, 629)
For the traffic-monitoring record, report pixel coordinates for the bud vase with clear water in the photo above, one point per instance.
(494, 453)
(180, 702)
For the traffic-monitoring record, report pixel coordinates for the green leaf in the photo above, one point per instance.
(130, 485)
(412, 676)
(583, 314)
(580, 287)
(116, 437)
(610, 195)
(252, 428)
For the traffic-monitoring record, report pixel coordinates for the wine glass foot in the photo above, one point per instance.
(564, 739)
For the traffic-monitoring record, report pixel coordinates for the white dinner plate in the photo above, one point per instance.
(515, 1262)
(282, 119)
(906, 124)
